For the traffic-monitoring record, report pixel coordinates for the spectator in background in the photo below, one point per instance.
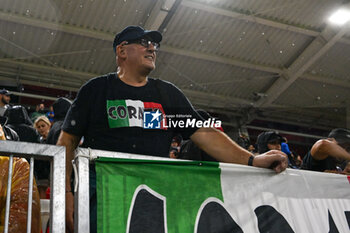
(19, 121)
(253, 149)
(39, 111)
(60, 109)
(329, 153)
(175, 147)
(8, 133)
(50, 114)
(4, 101)
(269, 140)
(42, 125)
(176, 142)
(42, 168)
(297, 159)
(285, 146)
(286, 150)
(243, 141)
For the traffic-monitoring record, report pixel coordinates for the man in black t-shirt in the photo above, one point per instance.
(129, 112)
(327, 153)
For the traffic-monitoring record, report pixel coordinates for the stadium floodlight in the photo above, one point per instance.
(340, 17)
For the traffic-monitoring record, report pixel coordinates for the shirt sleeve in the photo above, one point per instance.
(182, 110)
(76, 120)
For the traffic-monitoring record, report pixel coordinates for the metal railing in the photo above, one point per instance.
(57, 157)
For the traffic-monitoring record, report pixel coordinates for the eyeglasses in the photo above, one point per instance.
(145, 43)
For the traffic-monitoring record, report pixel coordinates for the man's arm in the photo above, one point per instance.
(71, 142)
(328, 147)
(223, 149)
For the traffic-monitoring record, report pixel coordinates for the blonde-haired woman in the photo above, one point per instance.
(42, 168)
(42, 125)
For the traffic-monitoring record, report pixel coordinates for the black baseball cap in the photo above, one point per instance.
(133, 33)
(177, 139)
(267, 138)
(4, 92)
(274, 137)
(340, 135)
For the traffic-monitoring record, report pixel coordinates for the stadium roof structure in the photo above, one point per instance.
(247, 59)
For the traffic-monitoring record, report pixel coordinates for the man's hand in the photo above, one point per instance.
(223, 149)
(69, 212)
(274, 159)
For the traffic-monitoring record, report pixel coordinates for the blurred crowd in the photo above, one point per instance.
(331, 154)
(41, 126)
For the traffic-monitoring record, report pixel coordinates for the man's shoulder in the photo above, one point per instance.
(100, 79)
(164, 84)
(161, 82)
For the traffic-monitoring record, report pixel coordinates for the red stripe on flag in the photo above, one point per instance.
(349, 179)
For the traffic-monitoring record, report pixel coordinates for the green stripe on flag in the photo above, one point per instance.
(184, 184)
(117, 114)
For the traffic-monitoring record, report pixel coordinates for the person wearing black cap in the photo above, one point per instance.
(269, 140)
(4, 101)
(60, 109)
(272, 140)
(109, 112)
(327, 154)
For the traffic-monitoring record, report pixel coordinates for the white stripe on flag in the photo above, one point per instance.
(138, 120)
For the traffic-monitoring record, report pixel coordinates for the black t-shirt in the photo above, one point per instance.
(309, 163)
(109, 114)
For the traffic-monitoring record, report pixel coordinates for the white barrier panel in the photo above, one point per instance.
(307, 201)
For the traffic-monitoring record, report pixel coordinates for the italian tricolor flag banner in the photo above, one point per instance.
(149, 196)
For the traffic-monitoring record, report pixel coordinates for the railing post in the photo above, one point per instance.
(30, 195)
(82, 197)
(8, 195)
(58, 192)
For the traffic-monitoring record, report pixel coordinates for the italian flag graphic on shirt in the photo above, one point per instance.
(129, 113)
